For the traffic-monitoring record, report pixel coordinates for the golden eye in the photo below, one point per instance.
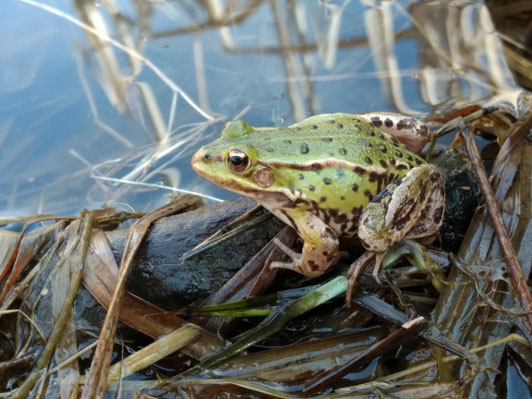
(237, 161)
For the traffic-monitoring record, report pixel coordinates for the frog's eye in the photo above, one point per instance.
(237, 161)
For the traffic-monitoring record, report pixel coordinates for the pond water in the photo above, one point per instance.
(105, 101)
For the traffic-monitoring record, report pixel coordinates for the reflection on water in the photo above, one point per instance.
(106, 101)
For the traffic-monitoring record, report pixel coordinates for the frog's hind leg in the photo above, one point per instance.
(409, 131)
(430, 221)
(409, 206)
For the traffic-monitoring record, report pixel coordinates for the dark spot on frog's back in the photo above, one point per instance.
(326, 180)
(356, 212)
(373, 176)
(383, 163)
(311, 188)
(339, 218)
(326, 139)
(368, 194)
(316, 166)
(382, 148)
(406, 123)
(323, 199)
(354, 187)
(342, 151)
(388, 122)
(369, 161)
(304, 148)
(401, 166)
(376, 121)
(340, 172)
(359, 170)
(287, 141)
(300, 176)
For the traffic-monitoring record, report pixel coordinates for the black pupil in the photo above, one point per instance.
(238, 160)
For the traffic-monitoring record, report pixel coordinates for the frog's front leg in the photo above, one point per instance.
(320, 247)
(409, 207)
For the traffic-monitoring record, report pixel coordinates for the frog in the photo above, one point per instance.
(333, 176)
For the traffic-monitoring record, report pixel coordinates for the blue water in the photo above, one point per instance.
(57, 155)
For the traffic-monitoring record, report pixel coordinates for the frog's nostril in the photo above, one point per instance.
(207, 157)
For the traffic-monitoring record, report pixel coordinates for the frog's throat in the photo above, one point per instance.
(280, 197)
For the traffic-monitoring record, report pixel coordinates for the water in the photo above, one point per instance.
(87, 121)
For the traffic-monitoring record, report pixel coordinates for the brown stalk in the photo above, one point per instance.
(523, 296)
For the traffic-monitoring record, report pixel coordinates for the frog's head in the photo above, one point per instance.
(234, 162)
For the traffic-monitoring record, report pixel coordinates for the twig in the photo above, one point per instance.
(523, 296)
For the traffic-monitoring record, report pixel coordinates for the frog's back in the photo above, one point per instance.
(334, 137)
(333, 164)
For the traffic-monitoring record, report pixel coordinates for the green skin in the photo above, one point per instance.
(332, 176)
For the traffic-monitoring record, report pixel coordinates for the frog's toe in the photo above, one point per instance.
(295, 256)
(294, 266)
(356, 268)
(378, 264)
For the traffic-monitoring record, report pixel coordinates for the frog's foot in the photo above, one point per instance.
(294, 265)
(314, 259)
(358, 267)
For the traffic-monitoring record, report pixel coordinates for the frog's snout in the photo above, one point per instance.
(201, 156)
(202, 162)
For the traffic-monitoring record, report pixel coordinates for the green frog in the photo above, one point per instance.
(332, 176)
